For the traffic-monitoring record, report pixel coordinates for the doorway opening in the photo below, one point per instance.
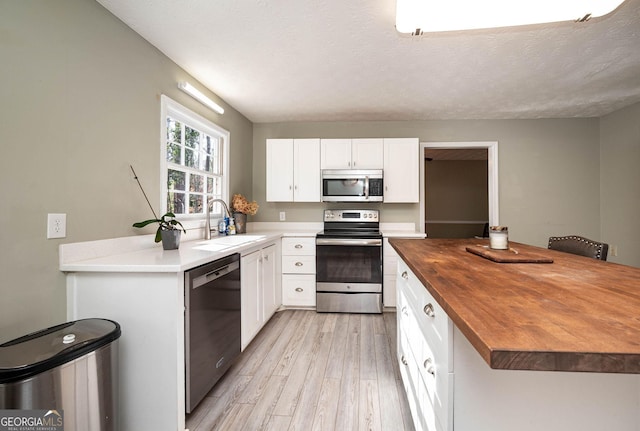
(463, 199)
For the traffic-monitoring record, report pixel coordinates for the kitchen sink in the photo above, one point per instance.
(224, 242)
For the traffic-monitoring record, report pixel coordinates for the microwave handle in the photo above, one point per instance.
(366, 187)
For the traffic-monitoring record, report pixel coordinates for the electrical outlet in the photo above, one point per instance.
(283, 216)
(56, 226)
(614, 250)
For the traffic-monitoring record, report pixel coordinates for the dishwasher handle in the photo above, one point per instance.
(214, 274)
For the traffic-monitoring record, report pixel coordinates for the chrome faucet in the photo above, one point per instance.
(207, 221)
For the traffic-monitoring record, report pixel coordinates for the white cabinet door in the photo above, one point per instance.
(250, 307)
(306, 170)
(280, 170)
(293, 170)
(401, 170)
(270, 303)
(335, 153)
(367, 153)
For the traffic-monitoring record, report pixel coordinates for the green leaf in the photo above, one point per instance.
(145, 223)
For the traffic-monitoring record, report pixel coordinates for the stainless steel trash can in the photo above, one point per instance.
(69, 368)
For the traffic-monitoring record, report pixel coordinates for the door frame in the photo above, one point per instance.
(492, 174)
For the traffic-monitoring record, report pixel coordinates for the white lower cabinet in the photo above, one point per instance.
(425, 336)
(259, 298)
(450, 387)
(299, 272)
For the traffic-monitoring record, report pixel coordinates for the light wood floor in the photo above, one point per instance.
(312, 371)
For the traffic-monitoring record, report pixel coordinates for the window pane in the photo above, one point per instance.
(175, 202)
(173, 153)
(192, 137)
(191, 158)
(217, 187)
(196, 183)
(176, 180)
(216, 166)
(209, 185)
(195, 204)
(208, 145)
(173, 130)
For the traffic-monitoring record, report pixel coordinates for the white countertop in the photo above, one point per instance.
(126, 254)
(140, 254)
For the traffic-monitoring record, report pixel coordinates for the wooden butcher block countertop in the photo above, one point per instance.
(575, 314)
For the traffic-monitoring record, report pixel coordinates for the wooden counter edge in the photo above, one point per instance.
(504, 359)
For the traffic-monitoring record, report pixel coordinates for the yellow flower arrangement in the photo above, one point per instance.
(240, 204)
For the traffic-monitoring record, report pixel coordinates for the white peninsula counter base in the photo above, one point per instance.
(142, 290)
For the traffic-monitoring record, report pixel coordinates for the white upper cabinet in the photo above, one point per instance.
(335, 154)
(306, 170)
(293, 170)
(367, 153)
(401, 170)
(352, 153)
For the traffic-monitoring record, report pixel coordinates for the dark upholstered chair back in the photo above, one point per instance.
(578, 245)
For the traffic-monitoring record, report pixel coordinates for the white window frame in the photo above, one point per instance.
(171, 108)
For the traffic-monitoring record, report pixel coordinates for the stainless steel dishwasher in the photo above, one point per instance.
(212, 325)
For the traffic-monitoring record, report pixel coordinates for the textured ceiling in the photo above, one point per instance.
(322, 60)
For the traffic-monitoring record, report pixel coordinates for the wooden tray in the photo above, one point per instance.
(509, 256)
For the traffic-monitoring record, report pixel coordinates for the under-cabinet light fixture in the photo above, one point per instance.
(421, 16)
(196, 94)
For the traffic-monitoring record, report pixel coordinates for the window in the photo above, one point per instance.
(194, 162)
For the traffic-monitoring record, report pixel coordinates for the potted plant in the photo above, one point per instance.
(168, 231)
(241, 207)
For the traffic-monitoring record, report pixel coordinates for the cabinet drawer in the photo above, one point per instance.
(299, 264)
(427, 368)
(431, 317)
(299, 290)
(299, 246)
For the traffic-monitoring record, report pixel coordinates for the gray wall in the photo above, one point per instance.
(80, 102)
(620, 183)
(549, 178)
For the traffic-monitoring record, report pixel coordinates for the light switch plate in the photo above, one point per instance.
(283, 216)
(56, 226)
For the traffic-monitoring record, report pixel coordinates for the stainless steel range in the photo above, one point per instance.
(349, 262)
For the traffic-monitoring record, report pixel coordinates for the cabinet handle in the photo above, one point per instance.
(404, 360)
(405, 275)
(266, 258)
(404, 311)
(298, 246)
(299, 263)
(428, 310)
(299, 289)
(428, 365)
(289, 187)
(295, 187)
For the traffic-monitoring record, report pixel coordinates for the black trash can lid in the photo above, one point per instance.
(43, 350)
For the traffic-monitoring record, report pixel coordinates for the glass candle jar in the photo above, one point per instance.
(499, 237)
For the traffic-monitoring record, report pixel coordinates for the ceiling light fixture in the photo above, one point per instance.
(196, 94)
(421, 16)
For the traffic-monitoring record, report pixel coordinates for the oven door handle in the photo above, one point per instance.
(350, 242)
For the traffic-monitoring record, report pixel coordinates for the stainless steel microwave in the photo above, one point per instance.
(350, 185)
